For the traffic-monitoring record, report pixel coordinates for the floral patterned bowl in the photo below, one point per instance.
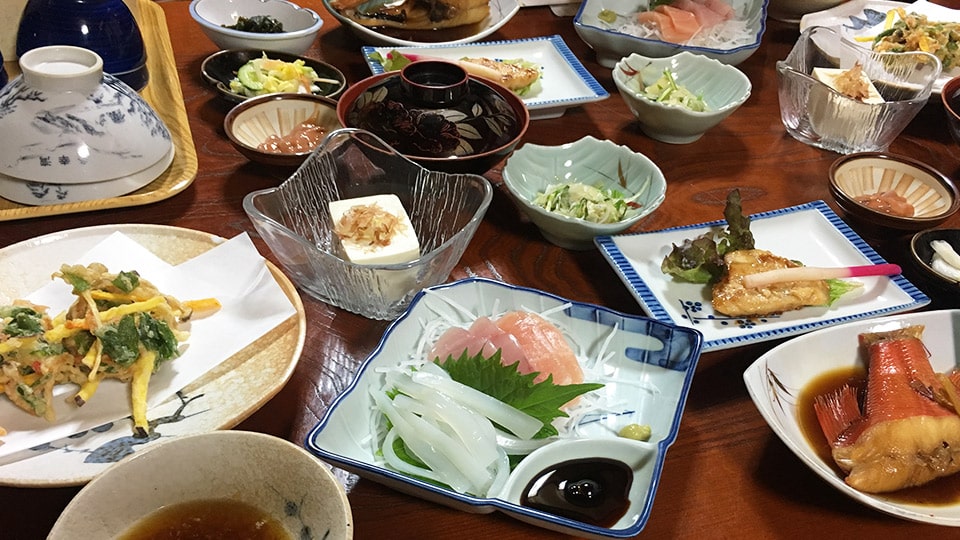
(437, 115)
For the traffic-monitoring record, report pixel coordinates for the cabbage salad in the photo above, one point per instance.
(590, 203)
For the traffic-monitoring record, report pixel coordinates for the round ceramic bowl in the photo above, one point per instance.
(532, 168)
(300, 25)
(437, 115)
(614, 40)
(280, 129)
(723, 88)
(221, 67)
(922, 253)
(950, 97)
(42, 193)
(791, 11)
(501, 11)
(75, 124)
(295, 221)
(106, 27)
(864, 184)
(816, 114)
(285, 483)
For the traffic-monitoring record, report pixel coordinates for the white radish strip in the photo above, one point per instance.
(946, 252)
(475, 473)
(474, 432)
(400, 465)
(520, 423)
(424, 449)
(811, 273)
(944, 268)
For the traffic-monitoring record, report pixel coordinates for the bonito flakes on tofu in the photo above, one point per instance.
(119, 327)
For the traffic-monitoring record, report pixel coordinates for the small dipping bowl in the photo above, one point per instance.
(922, 253)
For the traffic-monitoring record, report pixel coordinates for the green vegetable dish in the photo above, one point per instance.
(666, 90)
(269, 76)
(258, 24)
(590, 203)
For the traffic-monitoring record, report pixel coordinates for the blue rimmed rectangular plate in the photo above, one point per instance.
(565, 82)
(811, 233)
(647, 370)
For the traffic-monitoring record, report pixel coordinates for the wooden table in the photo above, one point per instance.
(727, 475)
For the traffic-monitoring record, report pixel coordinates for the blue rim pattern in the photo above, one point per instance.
(655, 308)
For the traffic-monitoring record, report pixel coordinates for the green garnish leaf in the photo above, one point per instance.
(78, 283)
(157, 336)
(126, 281)
(542, 400)
(23, 321)
(700, 260)
(121, 342)
(839, 287)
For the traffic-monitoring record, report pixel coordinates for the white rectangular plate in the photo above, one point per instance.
(865, 18)
(810, 233)
(565, 82)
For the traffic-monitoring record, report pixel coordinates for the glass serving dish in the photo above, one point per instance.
(294, 219)
(816, 114)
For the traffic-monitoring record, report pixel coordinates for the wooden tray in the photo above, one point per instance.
(163, 93)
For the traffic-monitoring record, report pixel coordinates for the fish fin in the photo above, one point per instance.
(837, 411)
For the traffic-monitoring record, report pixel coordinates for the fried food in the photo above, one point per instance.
(731, 297)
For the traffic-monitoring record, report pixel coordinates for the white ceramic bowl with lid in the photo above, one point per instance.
(75, 124)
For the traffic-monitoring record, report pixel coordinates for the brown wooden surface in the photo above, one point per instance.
(727, 475)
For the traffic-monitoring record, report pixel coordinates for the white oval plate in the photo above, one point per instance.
(776, 379)
(220, 399)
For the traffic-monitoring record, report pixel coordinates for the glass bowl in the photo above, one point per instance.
(294, 219)
(814, 113)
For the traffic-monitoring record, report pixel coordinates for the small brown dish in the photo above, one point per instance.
(892, 191)
(221, 67)
(280, 129)
(950, 96)
(922, 252)
(438, 116)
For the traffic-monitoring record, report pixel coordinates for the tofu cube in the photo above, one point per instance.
(828, 76)
(403, 245)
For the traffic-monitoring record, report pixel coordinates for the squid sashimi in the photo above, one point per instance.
(523, 338)
(908, 430)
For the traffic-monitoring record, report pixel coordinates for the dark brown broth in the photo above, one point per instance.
(208, 519)
(941, 492)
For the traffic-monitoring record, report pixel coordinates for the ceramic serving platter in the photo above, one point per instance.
(810, 233)
(565, 82)
(501, 11)
(776, 380)
(861, 20)
(220, 399)
(645, 366)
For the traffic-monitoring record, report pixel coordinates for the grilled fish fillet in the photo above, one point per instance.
(731, 298)
(414, 14)
(510, 75)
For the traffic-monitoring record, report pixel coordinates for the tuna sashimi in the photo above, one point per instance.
(719, 6)
(705, 16)
(908, 431)
(524, 338)
(675, 25)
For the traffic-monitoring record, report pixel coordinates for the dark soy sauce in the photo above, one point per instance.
(594, 491)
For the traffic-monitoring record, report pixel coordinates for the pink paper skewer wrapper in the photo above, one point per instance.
(811, 273)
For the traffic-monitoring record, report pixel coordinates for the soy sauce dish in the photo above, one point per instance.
(587, 481)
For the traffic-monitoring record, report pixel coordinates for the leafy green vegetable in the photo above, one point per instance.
(23, 321)
(127, 281)
(76, 281)
(666, 90)
(157, 336)
(700, 260)
(839, 287)
(541, 400)
(259, 24)
(121, 341)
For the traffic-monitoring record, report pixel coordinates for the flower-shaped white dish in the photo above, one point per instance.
(646, 375)
(723, 88)
(501, 11)
(291, 489)
(43, 193)
(828, 241)
(565, 81)
(300, 25)
(75, 124)
(776, 380)
(613, 41)
(860, 20)
(532, 168)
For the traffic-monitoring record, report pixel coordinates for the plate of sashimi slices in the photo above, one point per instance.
(897, 449)
(482, 389)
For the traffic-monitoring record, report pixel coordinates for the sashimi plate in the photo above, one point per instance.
(564, 81)
(861, 20)
(646, 368)
(776, 380)
(219, 399)
(810, 233)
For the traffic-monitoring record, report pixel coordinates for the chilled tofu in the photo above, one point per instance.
(829, 76)
(375, 230)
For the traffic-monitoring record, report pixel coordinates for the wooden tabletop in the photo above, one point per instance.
(727, 475)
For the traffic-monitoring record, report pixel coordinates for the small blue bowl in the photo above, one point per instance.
(106, 27)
